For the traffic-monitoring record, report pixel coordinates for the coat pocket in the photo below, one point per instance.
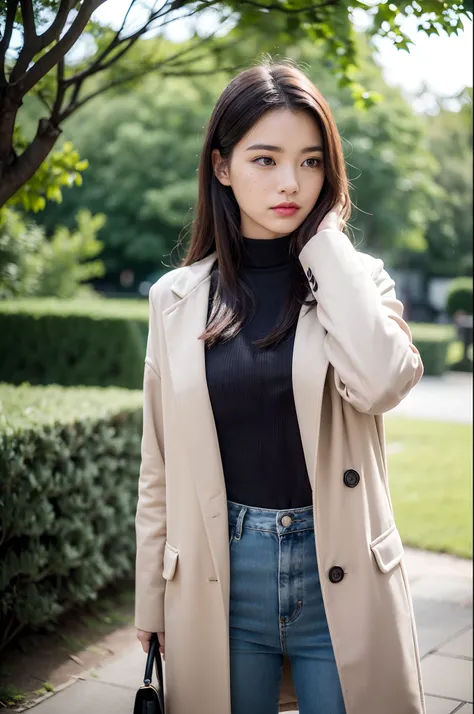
(170, 560)
(388, 549)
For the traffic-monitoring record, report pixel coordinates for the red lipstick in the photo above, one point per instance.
(286, 208)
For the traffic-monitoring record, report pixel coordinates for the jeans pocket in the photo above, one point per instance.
(231, 533)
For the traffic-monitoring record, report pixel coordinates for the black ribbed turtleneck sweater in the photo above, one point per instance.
(251, 392)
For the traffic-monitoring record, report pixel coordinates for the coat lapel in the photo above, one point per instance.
(183, 322)
(309, 370)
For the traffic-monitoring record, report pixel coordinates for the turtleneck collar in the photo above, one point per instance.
(265, 252)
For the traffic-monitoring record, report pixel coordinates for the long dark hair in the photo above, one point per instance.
(252, 93)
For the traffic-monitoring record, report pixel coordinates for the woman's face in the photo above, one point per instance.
(289, 169)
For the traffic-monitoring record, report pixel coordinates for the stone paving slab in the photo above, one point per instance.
(124, 672)
(423, 563)
(89, 697)
(447, 677)
(453, 589)
(436, 623)
(439, 705)
(441, 586)
(460, 646)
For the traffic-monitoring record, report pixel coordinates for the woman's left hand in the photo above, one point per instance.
(332, 219)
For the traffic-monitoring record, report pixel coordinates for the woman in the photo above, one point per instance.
(268, 555)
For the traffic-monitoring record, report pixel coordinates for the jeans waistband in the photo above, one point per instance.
(279, 522)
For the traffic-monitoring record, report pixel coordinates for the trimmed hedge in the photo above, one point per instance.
(73, 342)
(460, 296)
(433, 342)
(102, 342)
(69, 465)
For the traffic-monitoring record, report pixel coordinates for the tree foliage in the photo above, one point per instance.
(33, 265)
(144, 148)
(449, 231)
(65, 81)
(60, 169)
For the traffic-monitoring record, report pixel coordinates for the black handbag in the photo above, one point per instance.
(150, 700)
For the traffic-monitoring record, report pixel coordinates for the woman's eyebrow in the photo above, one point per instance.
(269, 147)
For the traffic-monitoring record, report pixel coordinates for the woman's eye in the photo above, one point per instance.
(315, 164)
(267, 161)
(262, 158)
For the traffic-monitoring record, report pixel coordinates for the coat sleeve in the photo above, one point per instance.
(150, 521)
(368, 343)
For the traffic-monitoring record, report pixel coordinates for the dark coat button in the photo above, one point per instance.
(309, 273)
(351, 478)
(336, 574)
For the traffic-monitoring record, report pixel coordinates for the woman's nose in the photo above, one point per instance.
(288, 181)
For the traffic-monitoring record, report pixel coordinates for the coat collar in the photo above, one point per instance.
(190, 278)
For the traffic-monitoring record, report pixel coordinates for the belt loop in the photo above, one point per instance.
(238, 525)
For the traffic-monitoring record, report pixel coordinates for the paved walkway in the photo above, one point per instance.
(445, 398)
(441, 586)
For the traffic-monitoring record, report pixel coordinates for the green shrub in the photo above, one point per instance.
(459, 296)
(102, 342)
(69, 464)
(33, 264)
(433, 342)
(89, 342)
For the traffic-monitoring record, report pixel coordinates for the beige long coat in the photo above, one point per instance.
(353, 360)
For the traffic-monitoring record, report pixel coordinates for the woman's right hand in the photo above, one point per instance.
(145, 638)
(332, 219)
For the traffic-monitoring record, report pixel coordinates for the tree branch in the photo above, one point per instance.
(204, 72)
(124, 22)
(60, 91)
(19, 172)
(30, 41)
(28, 21)
(228, 45)
(131, 41)
(8, 114)
(187, 50)
(76, 91)
(97, 65)
(7, 35)
(57, 26)
(290, 10)
(44, 101)
(46, 63)
(138, 75)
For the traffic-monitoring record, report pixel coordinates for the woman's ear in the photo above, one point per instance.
(221, 167)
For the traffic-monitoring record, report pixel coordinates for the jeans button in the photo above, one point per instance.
(286, 520)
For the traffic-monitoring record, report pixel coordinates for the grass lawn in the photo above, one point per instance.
(430, 473)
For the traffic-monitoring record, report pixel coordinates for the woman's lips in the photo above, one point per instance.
(285, 211)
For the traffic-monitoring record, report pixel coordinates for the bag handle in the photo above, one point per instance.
(154, 657)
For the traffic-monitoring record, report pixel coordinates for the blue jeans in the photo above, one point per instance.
(276, 609)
